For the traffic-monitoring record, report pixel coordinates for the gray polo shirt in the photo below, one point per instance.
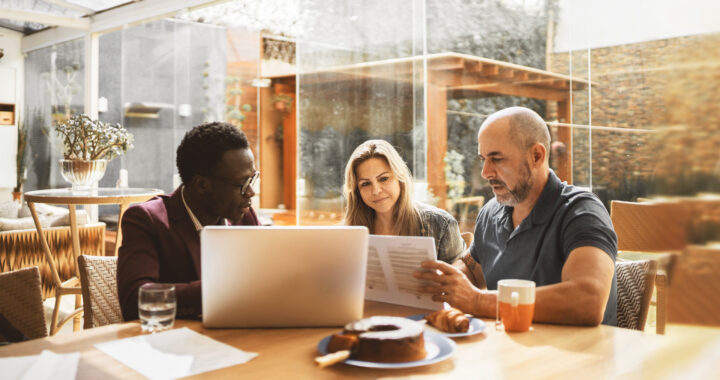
(564, 218)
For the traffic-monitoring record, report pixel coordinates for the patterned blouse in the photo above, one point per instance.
(444, 228)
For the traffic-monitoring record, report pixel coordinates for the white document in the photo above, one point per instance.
(392, 260)
(174, 353)
(48, 365)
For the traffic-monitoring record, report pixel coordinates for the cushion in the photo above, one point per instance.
(42, 210)
(8, 209)
(50, 216)
(10, 224)
(64, 219)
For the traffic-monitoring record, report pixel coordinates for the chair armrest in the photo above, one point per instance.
(661, 281)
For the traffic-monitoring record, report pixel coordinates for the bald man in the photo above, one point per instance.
(536, 228)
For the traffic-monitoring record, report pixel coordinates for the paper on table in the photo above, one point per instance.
(174, 353)
(15, 367)
(54, 366)
(47, 365)
(392, 260)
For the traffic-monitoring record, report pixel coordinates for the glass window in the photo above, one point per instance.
(54, 90)
(630, 108)
(361, 77)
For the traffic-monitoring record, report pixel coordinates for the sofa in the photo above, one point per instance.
(21, 248)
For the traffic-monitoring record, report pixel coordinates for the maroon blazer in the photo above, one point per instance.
(160, 244)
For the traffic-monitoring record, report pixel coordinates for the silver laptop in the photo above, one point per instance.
(282, 276)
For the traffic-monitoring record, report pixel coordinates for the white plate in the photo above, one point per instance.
(476, 327)
(437, 346)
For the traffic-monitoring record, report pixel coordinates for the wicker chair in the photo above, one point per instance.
(21, 309)
(477, 277)
(22, 249)
(635, 287)
(467, 238)
(462, 211)
(656, 230)
(98, 276)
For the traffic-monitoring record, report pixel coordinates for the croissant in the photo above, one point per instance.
(449, 320)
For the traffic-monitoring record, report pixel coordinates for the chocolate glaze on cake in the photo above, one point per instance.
(387, 339)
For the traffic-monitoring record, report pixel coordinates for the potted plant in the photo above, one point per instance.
(20, 161)
(89, 145)
(282, 102)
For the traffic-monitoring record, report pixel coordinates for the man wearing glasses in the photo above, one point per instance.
(161, 237)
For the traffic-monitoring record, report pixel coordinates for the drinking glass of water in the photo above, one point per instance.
(156, 306)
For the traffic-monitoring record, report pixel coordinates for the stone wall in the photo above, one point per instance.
(666, 86)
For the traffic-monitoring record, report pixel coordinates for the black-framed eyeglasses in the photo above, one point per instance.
(243, 187)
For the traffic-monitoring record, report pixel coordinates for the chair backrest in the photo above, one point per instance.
(467, 238)
(98, 276)
(21, 307)
(650, 227)
(635, 282)
(465, 204)
(693, 297)
(23, 249)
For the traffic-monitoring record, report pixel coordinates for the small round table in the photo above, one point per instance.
(102, 196)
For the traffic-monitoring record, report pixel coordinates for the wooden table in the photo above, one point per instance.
(102, 196)
(549, 351)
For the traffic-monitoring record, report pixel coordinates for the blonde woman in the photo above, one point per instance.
(379, 195)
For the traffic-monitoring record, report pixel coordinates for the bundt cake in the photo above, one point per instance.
(381, 339)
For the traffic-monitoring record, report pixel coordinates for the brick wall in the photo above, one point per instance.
(667, 86)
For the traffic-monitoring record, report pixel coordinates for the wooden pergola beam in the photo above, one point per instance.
(446, 63)
(436, 140)
(506, 73)
(458, 69)
(473, 67)
(490, 70)
(514, 90)
(565, 162)
(521, 75)
(449, 75)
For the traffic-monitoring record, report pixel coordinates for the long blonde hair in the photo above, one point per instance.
(357, 213)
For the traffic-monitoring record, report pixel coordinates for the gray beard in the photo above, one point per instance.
(519, 193)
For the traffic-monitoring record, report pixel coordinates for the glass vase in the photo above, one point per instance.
(82, 173)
